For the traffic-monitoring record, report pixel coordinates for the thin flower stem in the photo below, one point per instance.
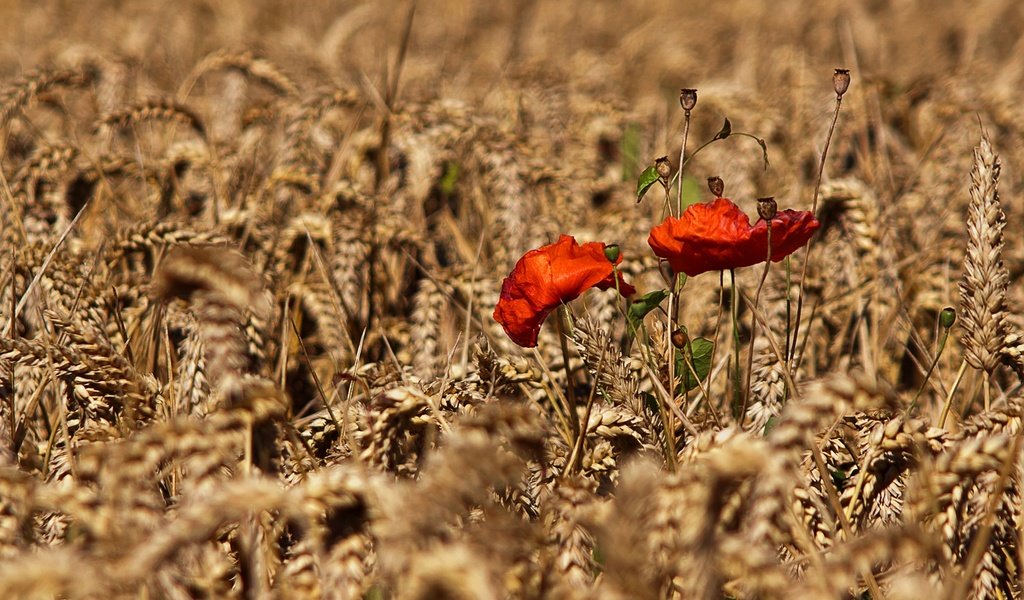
(681, 280)
(675, 178)
(562, 327)
(736, 376)
(952, 392)
(931, 369)
(789, 300)
(577, 449)
(753, 326)
(664, 399)
(705, 392)
(718, 324)
(786, 371)
(682, 162)
(670, 324)
(814, 210)
(648, 362)
(672, 321)
(556, 398)
(667, 421)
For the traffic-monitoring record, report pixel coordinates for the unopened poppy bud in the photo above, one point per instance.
(767, 208)
(663, 167)
(947, 317)
(680, 339)
(716, 185)
(841, 81)
(611, 252)
(688, 98)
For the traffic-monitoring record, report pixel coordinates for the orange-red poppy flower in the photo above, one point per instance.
(547, 277)
(718, 235)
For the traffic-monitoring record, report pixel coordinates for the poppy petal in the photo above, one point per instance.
(718, 236)
(548, 276)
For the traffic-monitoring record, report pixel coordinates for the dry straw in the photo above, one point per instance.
(246, 299)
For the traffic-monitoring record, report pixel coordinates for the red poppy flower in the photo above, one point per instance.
(549, 276)
(718, 235)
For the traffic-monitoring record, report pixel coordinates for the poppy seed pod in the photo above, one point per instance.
(680, 339)
(611, 252)
(688, 98)
(841, 81)
(662, 166)
(716, 185)
(767, 208)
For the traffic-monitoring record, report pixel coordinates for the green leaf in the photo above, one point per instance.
(700, 349)
(646, 180)
(725, 131)
(642, 305)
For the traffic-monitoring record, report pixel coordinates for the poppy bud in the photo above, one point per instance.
(767, 208)
(688, 98)
(611, 252)
(841, 81)
(716, 185)
(663, 167)
(947, 317)
(680, 339)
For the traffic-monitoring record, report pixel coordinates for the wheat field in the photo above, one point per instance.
(250, 252)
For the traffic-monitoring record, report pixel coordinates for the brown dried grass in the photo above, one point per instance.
(246, 279)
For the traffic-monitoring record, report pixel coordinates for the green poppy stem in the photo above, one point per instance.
(734, 301)
(718, 328)
(952, 392)
(931, 369)
(682, 163)
(814, 209)
(562, 327)
(649, 364)
(672, 321)
(789, 312)
(753, 326)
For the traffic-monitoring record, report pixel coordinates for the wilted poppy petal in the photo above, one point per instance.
(718, 235)
(549, 276)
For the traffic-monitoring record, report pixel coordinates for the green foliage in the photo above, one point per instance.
(643, 305)
(645, 181)
(700, 350)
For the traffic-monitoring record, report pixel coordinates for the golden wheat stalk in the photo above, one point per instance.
(985, 278)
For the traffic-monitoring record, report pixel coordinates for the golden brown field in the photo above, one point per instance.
(250, 253)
